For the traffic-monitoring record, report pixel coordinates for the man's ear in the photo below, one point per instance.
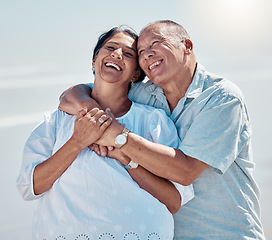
(188, 45)
(136, 75)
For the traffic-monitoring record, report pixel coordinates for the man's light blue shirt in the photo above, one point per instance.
(213, 126)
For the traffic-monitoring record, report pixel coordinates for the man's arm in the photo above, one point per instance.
(76, 98)
(161, 160)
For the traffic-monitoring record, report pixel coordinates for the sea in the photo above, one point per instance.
(23, 100)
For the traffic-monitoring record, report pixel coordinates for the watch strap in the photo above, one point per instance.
(132, 165)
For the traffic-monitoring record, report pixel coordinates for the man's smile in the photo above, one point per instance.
(154, 64)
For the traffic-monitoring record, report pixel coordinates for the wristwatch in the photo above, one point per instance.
(131, 165)
(121, 139)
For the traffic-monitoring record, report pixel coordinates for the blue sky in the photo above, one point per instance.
(57, 37)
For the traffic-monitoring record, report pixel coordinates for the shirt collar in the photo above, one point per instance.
(194, 90)
(196, 87)
(157, 91)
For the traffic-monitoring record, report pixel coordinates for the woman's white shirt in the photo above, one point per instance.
(95, 198)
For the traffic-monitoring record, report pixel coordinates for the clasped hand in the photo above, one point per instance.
(90, 126)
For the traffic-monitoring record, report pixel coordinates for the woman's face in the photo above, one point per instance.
(117, 59)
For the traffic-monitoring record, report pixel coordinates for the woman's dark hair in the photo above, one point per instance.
(106, 35)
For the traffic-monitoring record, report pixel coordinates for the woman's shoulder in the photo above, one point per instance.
(57, 119)
(57, 115)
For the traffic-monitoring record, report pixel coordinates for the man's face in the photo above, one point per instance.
(161, 55)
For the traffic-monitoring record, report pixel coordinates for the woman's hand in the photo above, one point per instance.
(89, 126)
(119, 155)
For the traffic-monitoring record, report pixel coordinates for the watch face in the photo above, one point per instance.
(121, 139)
(133, 164)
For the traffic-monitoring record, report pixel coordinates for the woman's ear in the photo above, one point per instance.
(93, 62)
(136, 75)
(93, 66)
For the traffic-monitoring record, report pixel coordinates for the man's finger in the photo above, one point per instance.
(103, 151)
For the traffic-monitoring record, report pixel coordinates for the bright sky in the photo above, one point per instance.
(57, 37)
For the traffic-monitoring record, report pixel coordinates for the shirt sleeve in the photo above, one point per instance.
(90, 85)
(218, 133)
(162, 130)
(38, 148)
(148, 93)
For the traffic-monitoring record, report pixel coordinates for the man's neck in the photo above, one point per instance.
(177, 88)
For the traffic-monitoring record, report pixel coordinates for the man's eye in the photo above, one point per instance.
(155, 42)
(140, 52)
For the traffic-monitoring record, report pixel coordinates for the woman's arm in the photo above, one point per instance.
(86, 131)
(158, 187)
(75, 98)
(47, 172)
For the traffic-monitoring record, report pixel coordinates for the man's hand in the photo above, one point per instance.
(101, 150)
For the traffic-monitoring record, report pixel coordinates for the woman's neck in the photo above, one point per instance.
(112, 96)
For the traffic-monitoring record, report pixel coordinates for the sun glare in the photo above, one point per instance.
(234, 21)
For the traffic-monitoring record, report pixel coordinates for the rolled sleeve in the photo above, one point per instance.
(186, 192)
(219, 131)
(38, 148)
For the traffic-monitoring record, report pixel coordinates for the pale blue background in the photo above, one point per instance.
(46, 46)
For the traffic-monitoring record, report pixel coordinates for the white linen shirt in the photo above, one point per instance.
(95, 198)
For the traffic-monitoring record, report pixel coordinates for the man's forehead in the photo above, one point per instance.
(151, 33)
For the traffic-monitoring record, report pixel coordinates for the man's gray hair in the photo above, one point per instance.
(175, 28)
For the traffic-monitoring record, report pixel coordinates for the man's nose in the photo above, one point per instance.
(148, 53)
(117, 53)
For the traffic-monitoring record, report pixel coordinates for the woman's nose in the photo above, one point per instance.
(117, 53)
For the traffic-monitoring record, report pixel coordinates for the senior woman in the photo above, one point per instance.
(80, 195)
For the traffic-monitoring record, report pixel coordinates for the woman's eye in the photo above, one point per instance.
(110, 48)
(128, 54)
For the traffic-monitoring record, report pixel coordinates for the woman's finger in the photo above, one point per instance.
(81, 113)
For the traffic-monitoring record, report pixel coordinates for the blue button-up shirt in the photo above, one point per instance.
(213, 125)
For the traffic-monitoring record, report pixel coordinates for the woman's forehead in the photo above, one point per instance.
(123, 39)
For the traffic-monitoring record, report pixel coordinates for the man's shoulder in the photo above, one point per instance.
(146, 86)
(146, 108)
(147, 93)
(220, 85)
